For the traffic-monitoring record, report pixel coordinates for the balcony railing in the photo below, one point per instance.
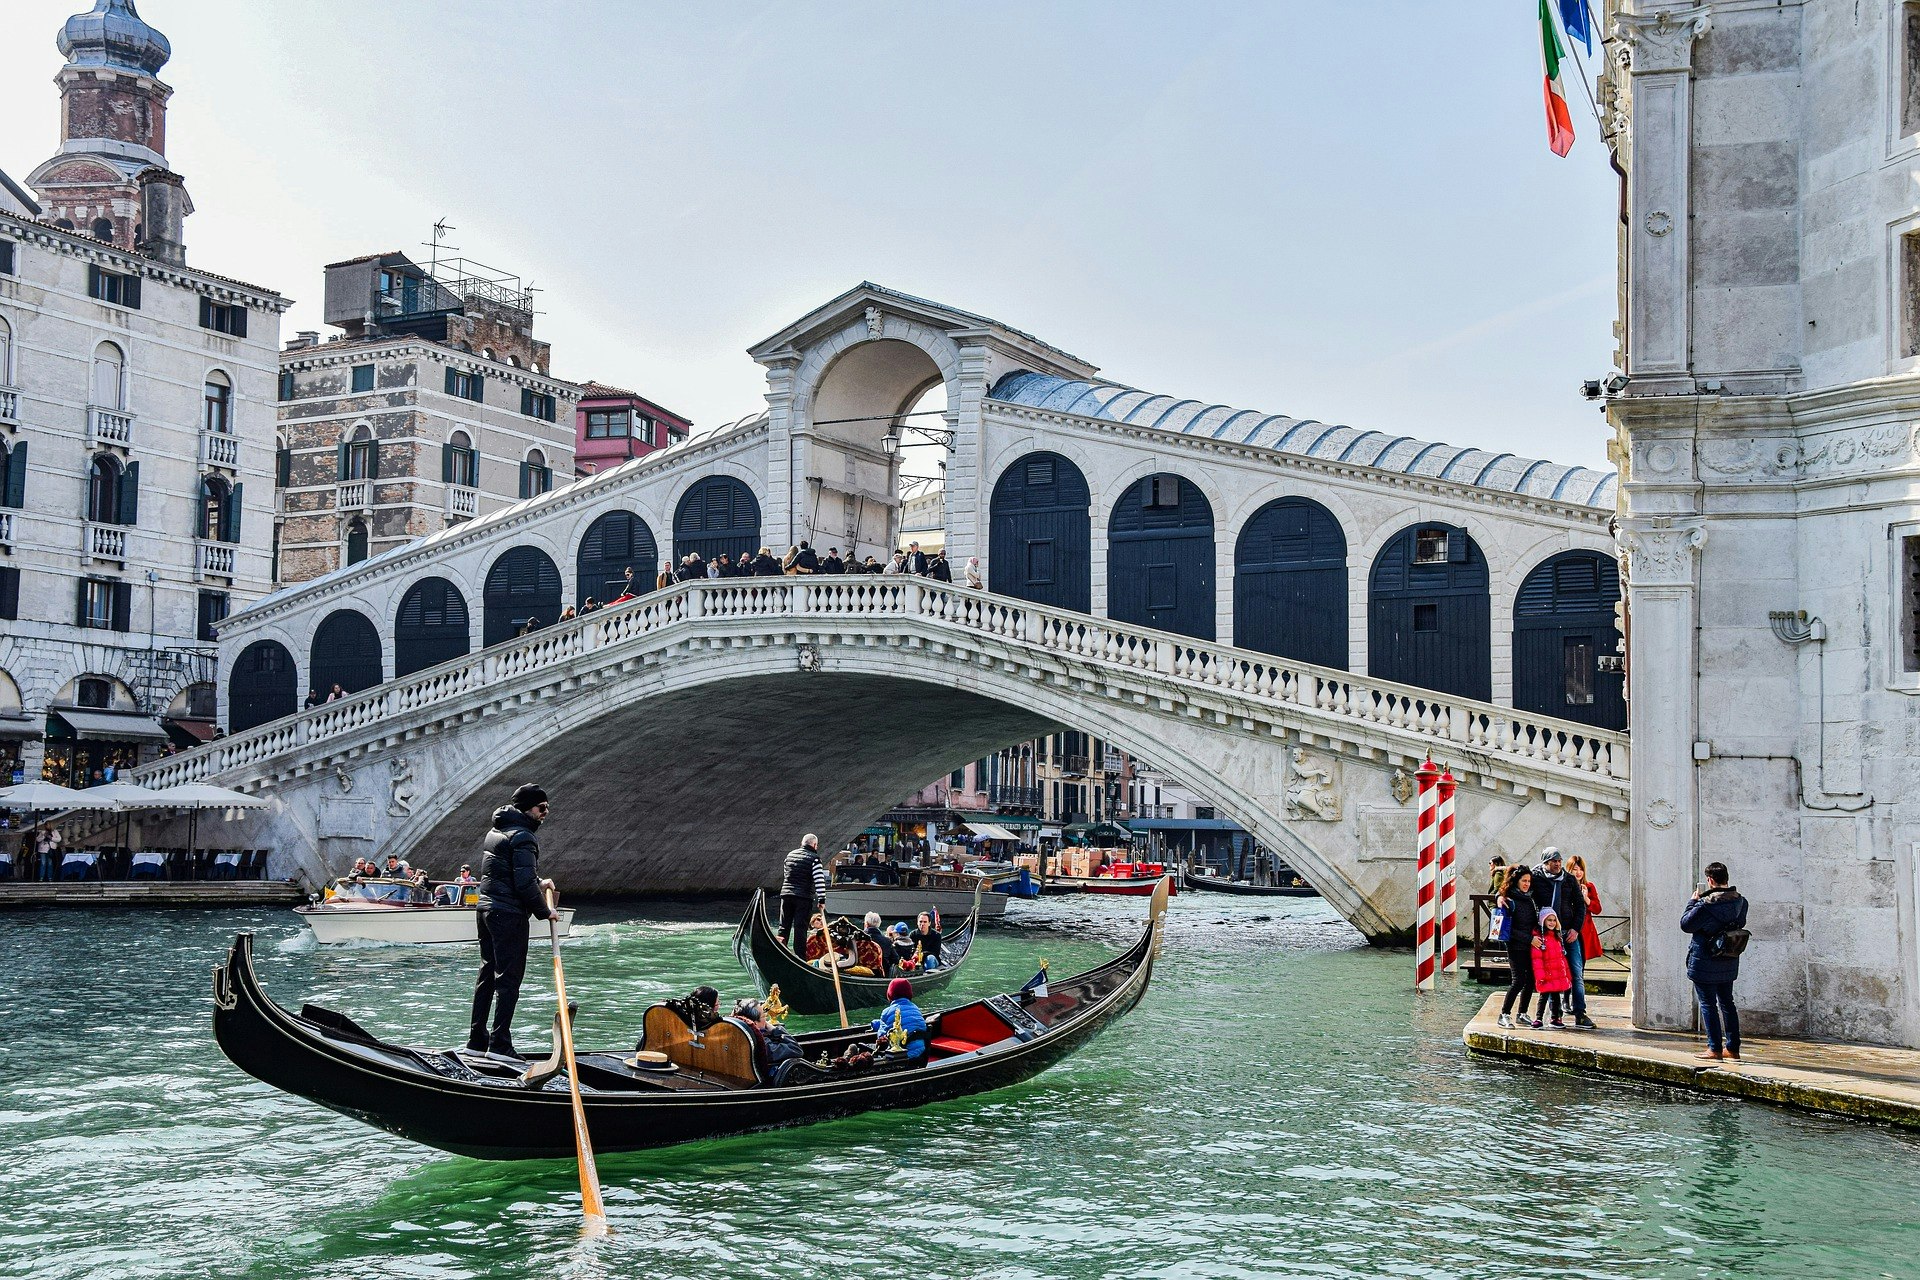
(6, 528)
(462, 503)
(1014, 797)
(218, 449)
(106, 542)
(109, 426)
(355, 495)
(9, 404)
(213, 559)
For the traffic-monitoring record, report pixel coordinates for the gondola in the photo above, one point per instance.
(757, 946)
(1220, 884)
(706, 1087)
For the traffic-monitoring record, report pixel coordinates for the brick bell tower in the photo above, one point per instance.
(110, 177)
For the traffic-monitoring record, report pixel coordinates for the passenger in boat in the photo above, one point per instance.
(699, 1008)
(902, 953)
(396, 869)
(510, 890)
(873, 933)
(779, 1042)
(926, 940)
(466, 875)
(803, 887)
(900, 1031)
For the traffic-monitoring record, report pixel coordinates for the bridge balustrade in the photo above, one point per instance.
(1453, 725)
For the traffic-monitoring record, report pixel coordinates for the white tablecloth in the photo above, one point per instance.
(226, 860)
(149, 858)
(78, 857)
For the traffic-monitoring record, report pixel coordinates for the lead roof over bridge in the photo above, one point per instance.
(1535, 478)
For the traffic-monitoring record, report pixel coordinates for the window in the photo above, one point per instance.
(224, 318)
(1909, 38)
(219, 510)
(219, 403)
(356, 542)
(9, 593)
(283, 467)
(6, 258)
(112, 287)
(958, 780)
(93, 692)
(608, 424)
(13, 475)
(466, 386)
(1909, 602)
(459, 464)
(1163, 492)
(537, 404)
(103, 229)
(203, 700)
(363, 377)
(1430, 546)
(1578, 656)
(535, 476)
(360, 455)
(6, 353)
(105, 605)
(286, 385)
(273, 561)
(1910, 294)
(1039, 563)
(213, 611)
(109, 377)
(1426, 617)
(112, 493)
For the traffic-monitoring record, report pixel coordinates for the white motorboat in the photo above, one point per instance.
(404, 911)
(948, 892)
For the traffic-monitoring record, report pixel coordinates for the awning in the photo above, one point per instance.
(878, 831)
(988, 831)
(196, 730)
(14, 728)
(1014, 820)
(110, 726)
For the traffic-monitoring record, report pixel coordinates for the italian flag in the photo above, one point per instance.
(1559, 122)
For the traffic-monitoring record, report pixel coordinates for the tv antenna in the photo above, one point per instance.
(440, 230)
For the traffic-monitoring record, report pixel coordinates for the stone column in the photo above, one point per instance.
(1663, 603)
(777, 514)
(963, 502)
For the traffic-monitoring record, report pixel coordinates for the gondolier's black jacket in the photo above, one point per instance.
(510, 866)
(803, 876)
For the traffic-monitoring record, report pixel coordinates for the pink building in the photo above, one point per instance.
(612, 425)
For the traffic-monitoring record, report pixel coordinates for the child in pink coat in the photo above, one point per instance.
(1551, 974)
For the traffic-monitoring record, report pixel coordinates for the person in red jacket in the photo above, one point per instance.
(1552, 976)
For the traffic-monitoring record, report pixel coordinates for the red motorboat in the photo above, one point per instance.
(1126, 879)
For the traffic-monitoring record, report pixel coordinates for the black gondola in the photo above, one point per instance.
(805, 989)
(708, 1087)
(1220, 884)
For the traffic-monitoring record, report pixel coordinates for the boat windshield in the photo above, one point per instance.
(456, 895)
(379, 891)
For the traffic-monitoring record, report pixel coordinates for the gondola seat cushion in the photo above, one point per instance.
(967, 1028)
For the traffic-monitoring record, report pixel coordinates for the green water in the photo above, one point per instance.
(1280, 1104)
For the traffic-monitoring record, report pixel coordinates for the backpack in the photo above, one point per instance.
(1728, 943)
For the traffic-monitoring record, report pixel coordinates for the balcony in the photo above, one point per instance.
(212, 559)
(109, 426)
(105, 542)
(355, 495)
(462, 503)
(1008, 797)
(6, 528)
(10, 406)
(219, 449)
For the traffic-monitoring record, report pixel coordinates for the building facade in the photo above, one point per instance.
(136, 433)
(613, 426)
(1765, 402)
(432, 407)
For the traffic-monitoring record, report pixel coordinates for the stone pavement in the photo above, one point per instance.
(1860, 1081)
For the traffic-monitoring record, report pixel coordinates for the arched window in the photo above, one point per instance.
(103, 229)
(717, 515)
(486, 353)
(536, 477)
(6, 353)
(356, 541)
(514, 361)
(522, 589)
(216, 510)
(219, 403)
(93, 692)
(360, 454)
(109, 377)
(1563, 627)
(616, 542)
(1290, 583)
(65, 224)
(1428, 615)
(1160, 556)
(430, 627)
(346, 652)
(459, 464)
(103, 490)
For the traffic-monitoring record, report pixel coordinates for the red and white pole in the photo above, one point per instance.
(1448, 875)
(1426, 807)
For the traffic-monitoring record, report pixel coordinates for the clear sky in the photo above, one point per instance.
(1338, 209)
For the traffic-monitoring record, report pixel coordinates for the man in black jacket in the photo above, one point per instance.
(808, 561)
(916, 559)
(803, 888)
(1713, 964)
(510, 891)
(833, 563)
(1555, 889)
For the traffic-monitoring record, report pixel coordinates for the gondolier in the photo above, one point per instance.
(510, 891)
(803, 887)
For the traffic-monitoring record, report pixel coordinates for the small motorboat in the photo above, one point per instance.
(364, 910)
(1124, 879)
(808, 988)
(1202, 881)
(679, 1086)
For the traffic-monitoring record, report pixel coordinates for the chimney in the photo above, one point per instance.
(163, 214)
(304, 339)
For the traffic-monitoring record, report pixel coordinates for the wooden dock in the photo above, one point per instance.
(16, 894)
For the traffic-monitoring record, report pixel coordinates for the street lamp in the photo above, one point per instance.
(931, 435)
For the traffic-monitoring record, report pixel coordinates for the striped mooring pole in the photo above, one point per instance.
(1427, 775)
(1449, 876)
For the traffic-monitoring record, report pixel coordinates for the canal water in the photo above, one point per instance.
(1280, 1105)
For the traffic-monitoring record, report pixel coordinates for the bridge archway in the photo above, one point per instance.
(717, 515)
(1429, 615)
(346, 652)
(1563, 623)
(263, 686)
(1040, 533)
(616, 542)
(865, 389)
(523, 585)
(430, 626)
(1160, 569)
(1290, 583)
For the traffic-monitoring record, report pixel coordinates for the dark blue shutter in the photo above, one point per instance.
(1456, 546)
(453, 381)
(237, 315)
(130, 495)
(476, 388)
(343, 460)
(373, 460)
(16, 476)
(446, 464)
(526, 474)
(230, 515)
(526, 401)
(96, 288)
(130, 291)
(122, 606)
(206, 313)
(9, 593)
(283, 467)
(80, 601)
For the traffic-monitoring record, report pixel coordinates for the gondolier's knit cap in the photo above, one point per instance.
(526, 796)
(899, 989)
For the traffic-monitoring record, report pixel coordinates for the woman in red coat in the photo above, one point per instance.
(1589, 932)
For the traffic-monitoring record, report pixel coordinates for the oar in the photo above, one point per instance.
(590, 1202)
(833, 963)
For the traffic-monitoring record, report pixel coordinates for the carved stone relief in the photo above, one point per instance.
(1662, 556)
(1313, 788)
(400, 805)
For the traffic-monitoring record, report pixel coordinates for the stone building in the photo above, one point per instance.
(1765, 409)
(136, 432)
(613, 425)
(433, 406)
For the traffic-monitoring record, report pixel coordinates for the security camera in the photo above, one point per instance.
(1591, 388)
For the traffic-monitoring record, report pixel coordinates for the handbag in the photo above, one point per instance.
(1499, 926)
(1729, 943)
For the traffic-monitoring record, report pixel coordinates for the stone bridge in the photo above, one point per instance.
(683, 734)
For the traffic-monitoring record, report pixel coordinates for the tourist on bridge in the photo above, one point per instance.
(693, 567)
(1716, 916)
(764, 565)
(510, 890)
(1556, 890)
(938, 569)
(803, 887)
(661, 583)
(871, 566)
(898, 564)
(974, 577)
(916, 560)
(1523, 922)
(790, 563)
(313, 700)
(807, 561)
(833, 563)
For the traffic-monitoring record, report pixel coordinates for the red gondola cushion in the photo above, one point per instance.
(952, 1045)
(972, 1025)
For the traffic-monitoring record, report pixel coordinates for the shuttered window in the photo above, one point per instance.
(227, 318)
(112, 287)
(363, 377)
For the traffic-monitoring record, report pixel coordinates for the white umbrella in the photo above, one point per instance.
(126, 796)
(51, 797)
(201, 795)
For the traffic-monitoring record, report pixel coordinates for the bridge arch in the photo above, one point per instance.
(860, 389)
(1290, 583)
(1563, 624)
(1160, 559)
(430, 626)
(264, 686)
(613, 543)
(1429, 612)
(1040, 532)
(717, 515)
(346, 652)
(522, 585)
